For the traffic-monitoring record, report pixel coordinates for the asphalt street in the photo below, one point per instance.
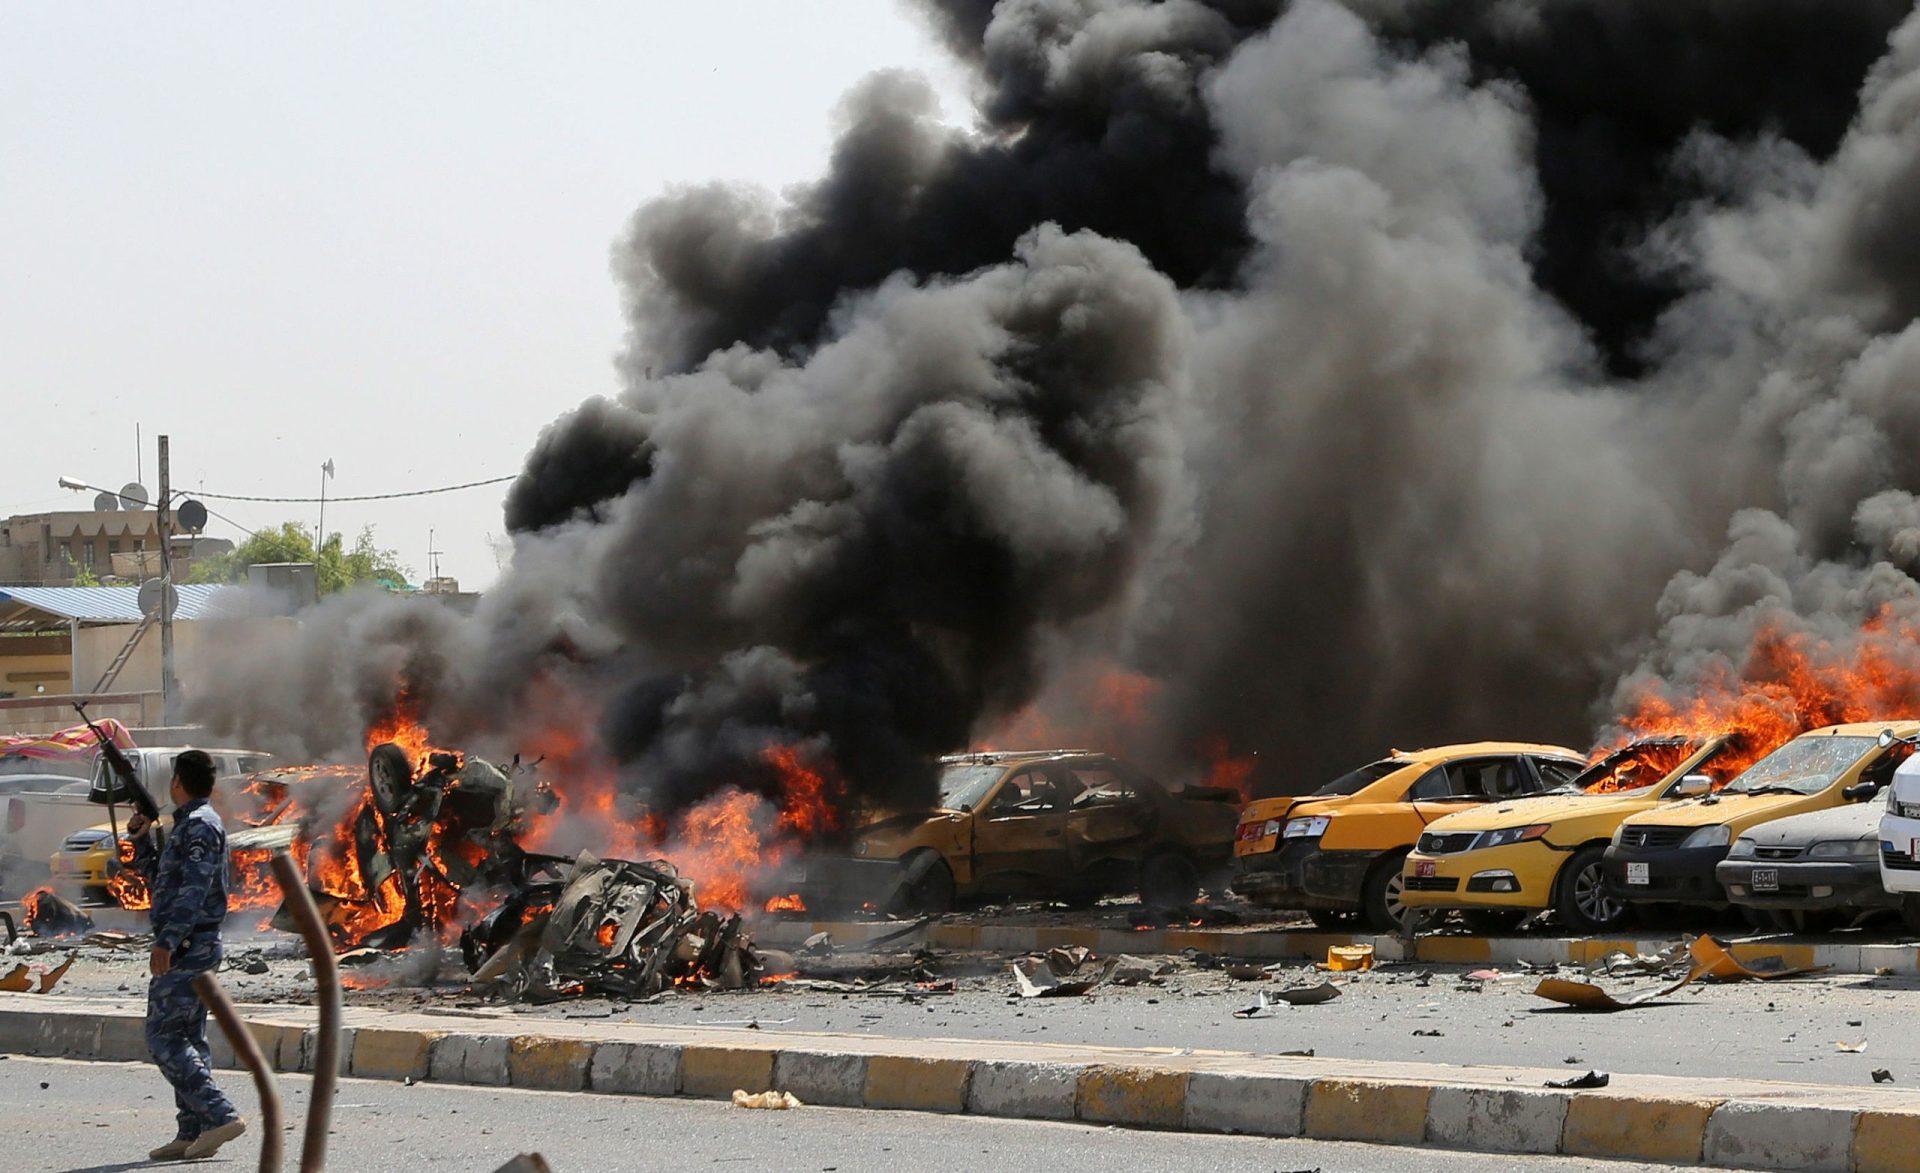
(67, 1117)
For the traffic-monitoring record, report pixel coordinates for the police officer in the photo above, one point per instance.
(188, 879)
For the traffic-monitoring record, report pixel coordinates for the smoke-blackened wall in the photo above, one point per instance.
(1363, 374)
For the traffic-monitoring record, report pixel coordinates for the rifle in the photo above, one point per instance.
(130, 789)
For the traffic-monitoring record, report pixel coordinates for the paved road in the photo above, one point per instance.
(1785, 1031)
(102, 1117)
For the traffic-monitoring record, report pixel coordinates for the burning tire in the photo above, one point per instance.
(926, 885)
(1168, 881)
(390, 774)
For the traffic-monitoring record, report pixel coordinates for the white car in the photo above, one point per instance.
(1900, 841)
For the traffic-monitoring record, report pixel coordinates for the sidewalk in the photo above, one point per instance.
(1740, 1123)
(1264, 944)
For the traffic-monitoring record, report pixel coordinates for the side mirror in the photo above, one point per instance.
(1693, 785)
(1887, 738)
(1860, 791)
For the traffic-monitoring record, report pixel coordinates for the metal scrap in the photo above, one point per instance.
(1036, 977)
(1591, 1079)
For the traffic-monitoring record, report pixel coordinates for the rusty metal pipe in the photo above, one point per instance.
(248, 1052)
(326, 980)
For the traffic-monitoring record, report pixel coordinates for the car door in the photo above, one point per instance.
(1109, 817)
(1454, 785)
(1020, 833)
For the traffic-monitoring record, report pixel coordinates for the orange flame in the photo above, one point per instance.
(1227, 772)
(1790, 682)
(128, 887)
(791, 902)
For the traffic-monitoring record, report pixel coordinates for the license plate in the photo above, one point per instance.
(1913, 848)
(1423, 867)
(1766, 879)
(1637, 874)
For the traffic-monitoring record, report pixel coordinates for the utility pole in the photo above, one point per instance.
(163, 520)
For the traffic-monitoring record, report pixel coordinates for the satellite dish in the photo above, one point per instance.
(133, 495)
(192, 516)
(105, 503)
(150, 597)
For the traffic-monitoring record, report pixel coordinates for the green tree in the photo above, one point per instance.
(335, 566)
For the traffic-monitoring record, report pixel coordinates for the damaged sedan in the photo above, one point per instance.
(1059, 824)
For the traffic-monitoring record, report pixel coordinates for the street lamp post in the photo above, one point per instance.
(163, 522)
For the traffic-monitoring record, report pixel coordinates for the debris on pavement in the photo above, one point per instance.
(1052, 976)
(772, 1101)
(23, 980)
(1672, 959)
(1261, 1008)
(1591, 1079)
(1882, 1075)
(1308, 995)
(1713, 960)
(1587, 996)
(1850, 1048)
(1347, 958)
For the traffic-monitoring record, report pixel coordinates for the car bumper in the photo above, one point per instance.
(86, 870)
(1673, 875)
(1301, 875)
(1516, 876)
(1807, 884)
(1899, 861)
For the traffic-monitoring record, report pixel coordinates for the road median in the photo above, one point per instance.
(1738, 1123)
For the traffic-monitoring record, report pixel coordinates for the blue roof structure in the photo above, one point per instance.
(30, 608)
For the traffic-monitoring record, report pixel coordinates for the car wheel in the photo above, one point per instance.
(1380, 897)
(1489, 921)
(1168, 881)
(1328, 918)
(926, 886)
(390, 776)
(1584, 900)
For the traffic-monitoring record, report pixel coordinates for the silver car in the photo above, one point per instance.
(1810, 871)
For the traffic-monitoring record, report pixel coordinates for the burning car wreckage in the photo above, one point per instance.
(425, 850)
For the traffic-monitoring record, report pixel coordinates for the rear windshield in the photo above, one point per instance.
(1360, 779)
(1805, 765)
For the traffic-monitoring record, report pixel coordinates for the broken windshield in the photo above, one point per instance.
(1360, 779)
(1806, 765)
(963, 786)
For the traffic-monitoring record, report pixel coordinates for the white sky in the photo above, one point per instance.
(376, 233)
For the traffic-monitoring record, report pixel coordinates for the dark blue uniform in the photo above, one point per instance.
(188, 879)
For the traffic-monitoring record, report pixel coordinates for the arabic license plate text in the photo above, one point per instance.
(1423, 867)
(1766, 879)
(1637, 874)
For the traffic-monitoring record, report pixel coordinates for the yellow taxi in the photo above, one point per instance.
(1667, 855)
(1336, 853)
(1499, 863)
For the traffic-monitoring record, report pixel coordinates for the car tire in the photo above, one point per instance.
(389, 776)
(1380, 896)
(926, 887)
(1168, 881)
(1910, 911)
(1583, 899)
(1327, 918)
(1492, 921)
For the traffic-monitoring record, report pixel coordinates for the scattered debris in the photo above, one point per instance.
(1044, 977)
(818, 945)
(1850, 1048)
(1345, 958)
(1713, 960)
(1308, 995)
(1587, 996)
(1882, 1075)
(16, 982)
(1591, 1079)
(1129, 970)
(1672, 959)
(1260, 1009)
(773, 1101)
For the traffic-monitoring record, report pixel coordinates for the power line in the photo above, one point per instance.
(368, 497)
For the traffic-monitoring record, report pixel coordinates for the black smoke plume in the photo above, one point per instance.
(1367, 374)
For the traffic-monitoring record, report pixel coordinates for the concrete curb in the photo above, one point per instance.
(1307, 945)
(1739, 1123)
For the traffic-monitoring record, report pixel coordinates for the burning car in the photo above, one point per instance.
(1670, 854)
(1066, 824)
(1337, 852)
(1497, 864)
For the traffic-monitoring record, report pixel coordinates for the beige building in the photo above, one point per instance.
(54, 549)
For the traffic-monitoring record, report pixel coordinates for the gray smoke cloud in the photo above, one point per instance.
(1361, 374)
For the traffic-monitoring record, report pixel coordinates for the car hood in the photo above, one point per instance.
(1520, 812)
(1858, 820)
(1724, 808)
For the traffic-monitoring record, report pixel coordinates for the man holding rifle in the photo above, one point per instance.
(188, 879)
